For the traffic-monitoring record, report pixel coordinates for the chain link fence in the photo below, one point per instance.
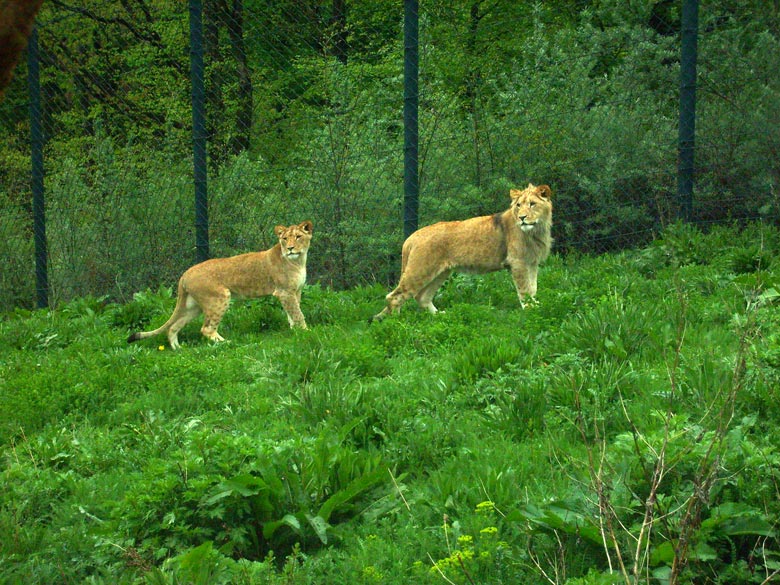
(303, 118)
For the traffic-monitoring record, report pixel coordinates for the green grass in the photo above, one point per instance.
(466, 447)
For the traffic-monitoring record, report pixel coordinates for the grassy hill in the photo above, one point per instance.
(624, 430)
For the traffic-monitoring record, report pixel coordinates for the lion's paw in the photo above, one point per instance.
(529, 303)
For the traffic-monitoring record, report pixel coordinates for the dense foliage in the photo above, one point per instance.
(304, 117)
(624, 430)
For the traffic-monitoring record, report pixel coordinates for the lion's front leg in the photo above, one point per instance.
(291, 302)
(525, 283)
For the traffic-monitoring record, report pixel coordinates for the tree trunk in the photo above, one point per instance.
(339, 25)
(241, 137)
(212, 55)
(472, 83)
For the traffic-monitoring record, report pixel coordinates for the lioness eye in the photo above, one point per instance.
(532, 203)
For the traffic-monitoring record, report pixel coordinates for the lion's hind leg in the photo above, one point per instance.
(214, 306)
(186, 313)
(425, 296)
(422, 288)
(397, 297)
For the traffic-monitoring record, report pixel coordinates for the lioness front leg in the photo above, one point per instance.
(525, 284)
(292, 306)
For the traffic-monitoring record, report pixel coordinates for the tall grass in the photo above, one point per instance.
(624, 430)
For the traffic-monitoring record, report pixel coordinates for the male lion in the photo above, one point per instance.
(207, 287)
(517, 239)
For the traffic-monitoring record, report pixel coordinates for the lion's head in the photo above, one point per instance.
(294, 240)
(532, 206)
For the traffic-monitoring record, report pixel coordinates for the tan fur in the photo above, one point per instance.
(207, 287)
(517, 239)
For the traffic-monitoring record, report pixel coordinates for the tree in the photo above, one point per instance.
(229, 81)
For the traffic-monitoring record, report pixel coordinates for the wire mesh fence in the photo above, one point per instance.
(303, 114)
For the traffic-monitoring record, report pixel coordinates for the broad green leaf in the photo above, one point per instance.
(737, 519)
(244, 485)
(703, 552)
(747, 526)
(663, 554)
(356, 487)
(662, 574)
(320, 527)
(197, 555)
(559, 516)
(769, 295)
(269, 528)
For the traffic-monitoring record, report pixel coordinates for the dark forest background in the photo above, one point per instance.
(304, 103)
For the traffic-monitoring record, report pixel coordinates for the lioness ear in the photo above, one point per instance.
(514, 194)
(307, 226)
(544, 191)
(279, 229)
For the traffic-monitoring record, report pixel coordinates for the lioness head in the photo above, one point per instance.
(532, 206)
(294, 240)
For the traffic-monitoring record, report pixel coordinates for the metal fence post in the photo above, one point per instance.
(36, 155)
(411, 69)
(687, 133)
(199, 131)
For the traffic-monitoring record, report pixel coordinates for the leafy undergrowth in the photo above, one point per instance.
(623, 430)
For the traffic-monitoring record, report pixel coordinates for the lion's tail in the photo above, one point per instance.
(180, 300)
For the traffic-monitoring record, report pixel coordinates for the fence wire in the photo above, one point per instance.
(304, 120)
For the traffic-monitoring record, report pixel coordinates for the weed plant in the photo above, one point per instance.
(624, 430)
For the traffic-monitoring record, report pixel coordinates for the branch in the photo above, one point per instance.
(150, 37)
(94, 89)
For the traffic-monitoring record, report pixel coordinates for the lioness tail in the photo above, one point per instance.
(164, 327)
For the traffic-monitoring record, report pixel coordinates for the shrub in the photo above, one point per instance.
(615, 327)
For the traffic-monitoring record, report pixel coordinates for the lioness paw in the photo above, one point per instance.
(529, 303)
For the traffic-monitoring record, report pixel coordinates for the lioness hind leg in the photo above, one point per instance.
(397, 298)
(189, 311)
(425, 296)
(214, 309)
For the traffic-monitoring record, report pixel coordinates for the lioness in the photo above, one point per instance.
(517, 239)
(207, 287)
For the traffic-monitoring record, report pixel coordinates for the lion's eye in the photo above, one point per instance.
(532, 203)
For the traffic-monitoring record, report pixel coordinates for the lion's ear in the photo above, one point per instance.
(514, 194)
(544, 191)
(278, 230)
(307, 226)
